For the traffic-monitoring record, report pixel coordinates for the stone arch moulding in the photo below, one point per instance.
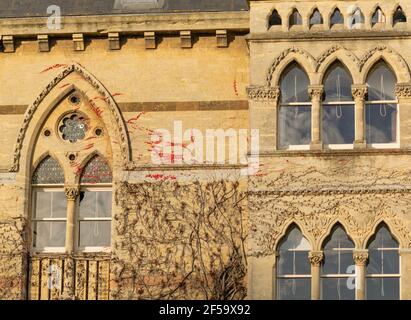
(124, 143)
(393, 59)
(373, 230)
(302, 57)
(328, 232)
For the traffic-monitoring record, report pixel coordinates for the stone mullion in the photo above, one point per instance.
(316, 93)
(359, 92)
(360, 259)
(316, 258)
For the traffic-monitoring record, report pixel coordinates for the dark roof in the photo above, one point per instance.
(38, 8)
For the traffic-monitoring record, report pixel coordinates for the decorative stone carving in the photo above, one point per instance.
(150, 40)
(43, 41)
(71, 193)
(403, 90)
(333, 49)
(359, 91)
(8, 44)
(316, 258)
(222, 38)
(316, 92)
(360, 257)
(371, 52)
(78, 42)
(263, 93)
(114, 41)
(186, 40)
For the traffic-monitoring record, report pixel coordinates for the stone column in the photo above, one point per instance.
(316, 258)
(359, 92)
(360, 259)
(316, 93)
(403, 94)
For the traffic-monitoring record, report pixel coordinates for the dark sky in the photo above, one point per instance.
(32, 8)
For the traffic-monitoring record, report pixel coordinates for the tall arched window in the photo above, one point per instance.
(338, 128)
(293, 267)
(356, 18)
(94, 218)
(383, 269)
(399, 16)
(381, 108)
(49, 206)
(295, 109)
(378, 17)
(338, 268)
(275, 19)
(316, 18)
(295, 18)
(336, 18)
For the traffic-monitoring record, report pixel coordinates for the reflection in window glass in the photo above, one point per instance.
(294, 85)
(293, 267)
(49, 234)
(294, 126)
(383, 267)
(378, 16)
(337, 17)
(295, 18)
(337, 84)
(316, 18)
(95, 233)
(338, 267)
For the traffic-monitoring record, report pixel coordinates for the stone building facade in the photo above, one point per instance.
(85, 107)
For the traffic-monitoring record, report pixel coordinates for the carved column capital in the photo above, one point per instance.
(71, 192)
(359, 91)
(403, 90)
(360, 258)
(263, 93)
(316, 258)
(316, 92)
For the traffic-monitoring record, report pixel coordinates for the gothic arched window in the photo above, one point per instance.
(316, 18)
(295, 18)
(338, 108)
(94, 218)
(336, 18)
(337, 277)
(399, 16)
(381, 107)
(383, 269)
(275, 19)
(378, 16)
(49, 206)
(293, 267)
(295, 109)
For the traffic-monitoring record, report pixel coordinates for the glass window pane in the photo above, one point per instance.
(294, 126)
(97, 170)
(295, 19)
(293, 262)
(95, 204)
(338, 124)
(337, 84)
(48, 172)
(383, 239)
(95, 234)
(50, 205)
(294, 85)
(338, 289)
(316, 18)
(399, 16)
(381, 83)
(381, 123)
(275, 19)
(383, 288)
(49, 234)
(339, 239)
(294, 289)
(337, 18)
(338, 262)
(383, 262)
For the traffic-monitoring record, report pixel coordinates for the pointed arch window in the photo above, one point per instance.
(316, 18)
(378, 16)
(293, 267)
(95, 201)
(294, 115)
(295, 18)
(275, 19)
(338, 129)
(383, 269)
(336, 18)
(337, 281)
(49, 206)
(399, 16)
(381, 107)
(357, 18)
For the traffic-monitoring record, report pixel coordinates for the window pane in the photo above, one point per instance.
(48, 172)
(338, 262)
(294, 289)
(50, 205)
(294, 85)
(295, 19)
(338, 124)
(95, 204)
(381, 83)
(95, 233)
(49, 234)
(339, 239)
(383, 239)
(316, 18)
(383, 288)
(337, 17)
(294, 126)
(293, 262)
(383, 262)
(337, 84)
(381, 121)
(338, 289)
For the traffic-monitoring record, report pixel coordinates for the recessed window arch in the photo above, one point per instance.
(336, 18)
(316, 18)
(381, 106)
(293, 267)
(295, 18)
(338, 128)
(95, 202)
(356, 18)
(378, 17)
(295, 108)
(274, 19)
(399, 16)
(337, 281)
(49, 206)
(383, 269)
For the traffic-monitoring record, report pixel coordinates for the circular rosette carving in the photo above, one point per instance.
(73, 127)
